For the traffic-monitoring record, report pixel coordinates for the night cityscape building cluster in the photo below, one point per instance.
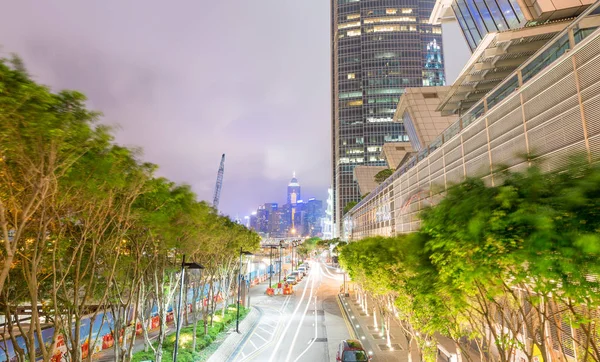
(295, 218)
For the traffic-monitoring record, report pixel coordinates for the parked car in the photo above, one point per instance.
(291, 279)
(296, 275)
(351, 350)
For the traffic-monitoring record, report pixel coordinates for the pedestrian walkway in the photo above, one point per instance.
(228, 349)
(372, 336)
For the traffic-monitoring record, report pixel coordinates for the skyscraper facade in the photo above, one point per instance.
(379, 48)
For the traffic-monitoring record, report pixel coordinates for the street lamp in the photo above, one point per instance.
(184, 265)
(237, 322)
(280, 265)
(271, 247)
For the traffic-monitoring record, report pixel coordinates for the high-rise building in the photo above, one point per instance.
(293, 196)
(379, 48)
(293, 191)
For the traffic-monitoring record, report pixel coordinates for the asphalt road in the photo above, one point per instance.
(306, 326)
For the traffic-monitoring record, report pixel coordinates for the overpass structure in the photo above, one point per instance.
(546, 104)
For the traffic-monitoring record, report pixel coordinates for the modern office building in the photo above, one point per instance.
(528, 91)
(379, 48)
(293, 191)
(477, 18)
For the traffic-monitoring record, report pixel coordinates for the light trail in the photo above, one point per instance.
(289, 323)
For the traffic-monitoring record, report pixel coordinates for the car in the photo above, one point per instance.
(303, 270)
(291, 279)
(297, 276)
(351, 350)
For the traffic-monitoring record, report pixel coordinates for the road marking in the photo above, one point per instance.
(350, 329)
(288, 323)
(312, 287)
(270, 333)
(261, 337)
(312, 340)
(252, 343)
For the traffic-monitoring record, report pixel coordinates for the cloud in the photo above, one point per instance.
(190, 80)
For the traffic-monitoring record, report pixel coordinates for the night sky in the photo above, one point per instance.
(190, 80)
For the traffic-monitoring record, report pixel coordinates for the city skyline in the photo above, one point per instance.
(175, 101)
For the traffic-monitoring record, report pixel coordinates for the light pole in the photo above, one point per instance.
(270, 265)
(183, 266)
(237, 322)
(292, 246)
(280, 265)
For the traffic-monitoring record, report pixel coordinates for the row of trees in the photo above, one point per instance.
(512, 268)
(86, 227)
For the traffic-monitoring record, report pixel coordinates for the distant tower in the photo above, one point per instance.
(293, 196)
(219, 184)
(293, 191)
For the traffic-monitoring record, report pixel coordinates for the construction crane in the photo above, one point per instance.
(219, 184)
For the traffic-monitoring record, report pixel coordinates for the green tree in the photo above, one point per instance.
(383, 175)
(349, 206)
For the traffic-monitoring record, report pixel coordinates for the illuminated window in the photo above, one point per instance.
(386, 91)
(350, 95)
(412, 28)
(354, 32)
(436, 30)
(354, 151)
(373, 149)
(351, 75)
(344, 160)
(407, 11)
(355, 103)
(353, 16)
(386, 28)
(349, 25)
(395, 19)
(391, 11)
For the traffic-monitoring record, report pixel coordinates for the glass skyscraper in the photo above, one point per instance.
(478, 17)
(379, 47)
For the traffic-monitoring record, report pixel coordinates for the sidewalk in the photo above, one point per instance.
(365, 330)
(229, 348)
(370, 335)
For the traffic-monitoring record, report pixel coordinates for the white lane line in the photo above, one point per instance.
(261, 337)
(252, 343)
(291, 348)
(312, 341)
(287, 326)
(266, 331)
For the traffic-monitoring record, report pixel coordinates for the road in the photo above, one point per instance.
(306, 326)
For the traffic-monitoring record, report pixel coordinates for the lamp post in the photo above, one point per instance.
(237, 322)
(184, 265)
(292, 252)
(270, 265)
(280, 265)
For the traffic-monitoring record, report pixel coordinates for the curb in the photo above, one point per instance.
(242, 343)
(359, 332)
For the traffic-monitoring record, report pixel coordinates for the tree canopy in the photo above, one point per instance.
(383, 175)
(84, 221)
(492, 263)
